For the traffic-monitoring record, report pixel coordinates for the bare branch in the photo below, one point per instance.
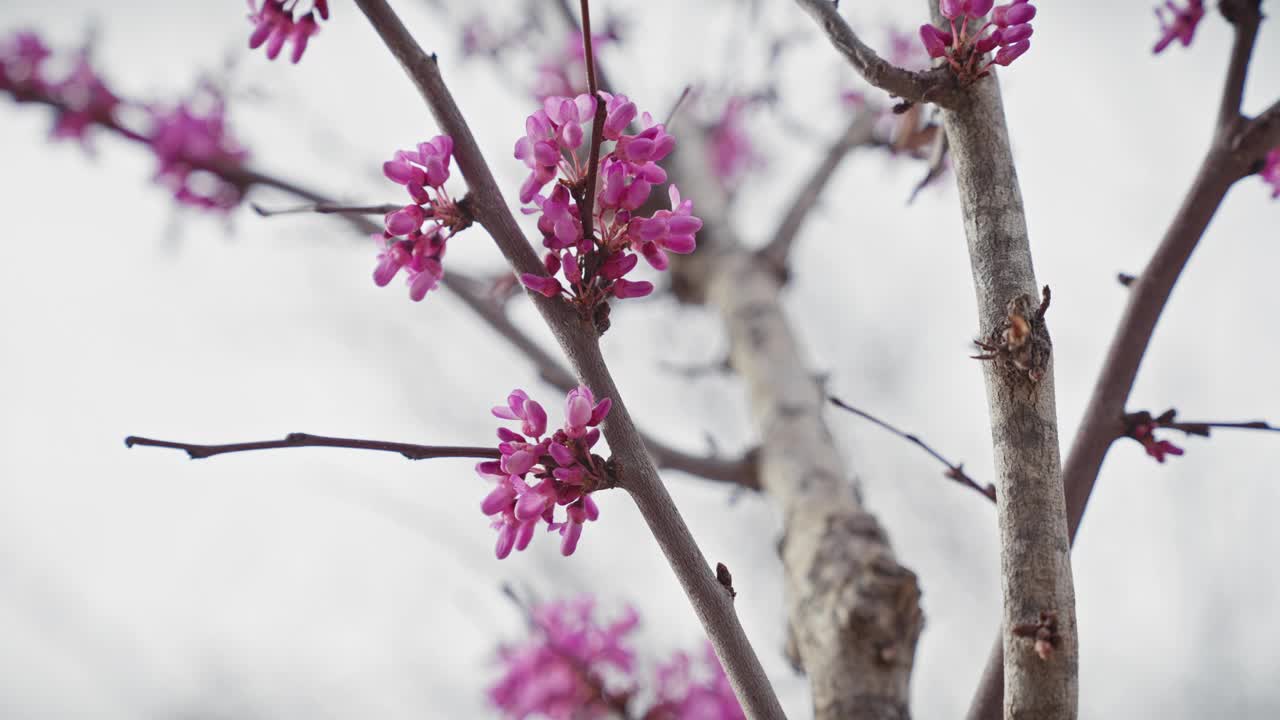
(954, 471)
(578, 340)
(1246, 16)
(327, 209)
(858, 133)
(297, 440)
(936, 86)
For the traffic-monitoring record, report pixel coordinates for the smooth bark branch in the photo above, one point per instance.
(577, 338)
(1103, 421)
(853, 611)
(858, 133)
(1035, 552)
(297, 440)
(936, 86)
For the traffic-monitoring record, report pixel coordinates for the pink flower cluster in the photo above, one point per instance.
(733, 155)
(81, 98)
(565, 670)
(572, 667)
(537, 473)
(414, 236)
(1010, 35)
(683, 695)
(1270, 172)
(594, 260)
(277, 22)
(1144, 432)
(194, 149)
(1180, 25)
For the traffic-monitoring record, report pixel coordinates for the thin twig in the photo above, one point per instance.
(955, 471)
(296, 440)
(671, 114)
(587, 200)
(327, 209)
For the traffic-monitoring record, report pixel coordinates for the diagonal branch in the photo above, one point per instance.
(936, 86)
(577, 338)
(297, 440)
(857, 134)
(954, 471)
(1246, 17)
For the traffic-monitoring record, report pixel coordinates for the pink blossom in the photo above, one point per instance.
(195, 150)
(535, 473)
(1158, 449)
(277, 23)
(686, 694)
(1008, 33)
(1270, 172)
(733, 154)
(86, 101)
(415, 236)
(21, 56)
(1180, 24)
(591, 262)
(570, 667)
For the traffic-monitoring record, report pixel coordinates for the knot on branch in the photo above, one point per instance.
(725, 578)
(1021, 343)
(1044, 633)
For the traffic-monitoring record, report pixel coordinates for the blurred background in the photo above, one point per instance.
(327, 583)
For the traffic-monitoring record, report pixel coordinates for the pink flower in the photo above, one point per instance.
(570, 667)
(21, 56)
(732, 153)
(275, 24)
(1008, 33)
(535, 474)
(685, 694)
(1180, 25)
(592, 261)
(425, 225)
(1270, 172)
(190, 141)
(1158, 449)
(85, 100)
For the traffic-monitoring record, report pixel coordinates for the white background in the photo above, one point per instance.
(317, 583)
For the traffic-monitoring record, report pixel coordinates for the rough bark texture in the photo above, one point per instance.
(1035, 553)
(853, 611)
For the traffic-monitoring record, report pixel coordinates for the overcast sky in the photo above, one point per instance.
(313, 583)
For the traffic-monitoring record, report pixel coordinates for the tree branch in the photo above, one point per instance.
(577, 338)
(1035, 557)
(936, 86)
(954, 471)
(1246, 16)
(858, 133)
(296, 440)
(1103, 420)
(327, 209)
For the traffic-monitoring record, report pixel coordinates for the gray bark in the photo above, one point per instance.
(853, 611)
(1035, 552)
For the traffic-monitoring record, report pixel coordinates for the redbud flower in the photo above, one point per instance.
(415, 236)
(592, 261)
(190, 138)
(1180, 25)
(1158, 449)
(85, 99)
(570, 667)
(21, 57)
(275, 24)
(1270, 172)
(1008, 33)
(683, 692)
(732, 153)
(536, 473)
